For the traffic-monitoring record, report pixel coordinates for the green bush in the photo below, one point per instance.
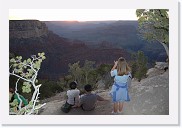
(50, 88)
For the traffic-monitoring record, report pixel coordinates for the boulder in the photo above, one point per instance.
(100, 85)
(153, 72)
(162, 65)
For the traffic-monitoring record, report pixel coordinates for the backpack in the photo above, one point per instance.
(66, 107)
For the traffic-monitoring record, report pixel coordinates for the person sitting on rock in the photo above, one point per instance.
(73, 95)
(88, 100)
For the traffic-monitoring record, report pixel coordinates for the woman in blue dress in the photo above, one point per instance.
(119, 92)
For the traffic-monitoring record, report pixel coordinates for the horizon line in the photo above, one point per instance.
(76, 20)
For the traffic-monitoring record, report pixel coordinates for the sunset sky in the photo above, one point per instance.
(72, 14)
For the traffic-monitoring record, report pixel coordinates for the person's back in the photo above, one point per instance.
(88, 101)
(73, 94)
(119, 91)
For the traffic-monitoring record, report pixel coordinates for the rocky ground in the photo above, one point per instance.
(150, 96)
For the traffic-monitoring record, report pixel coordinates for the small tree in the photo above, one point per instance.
(87, 68)
(67, 79)
(83, 75)
(154, 25)
(75, 71)
(139, 66)
(27, 71)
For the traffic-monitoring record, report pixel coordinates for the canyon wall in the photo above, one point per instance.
(27, 29)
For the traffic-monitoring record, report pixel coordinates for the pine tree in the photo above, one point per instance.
(139, 66)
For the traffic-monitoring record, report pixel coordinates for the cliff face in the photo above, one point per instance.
(27, 29)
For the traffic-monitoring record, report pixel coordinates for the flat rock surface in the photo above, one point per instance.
(150, 96)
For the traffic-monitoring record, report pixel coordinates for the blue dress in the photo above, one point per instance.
(119, 91)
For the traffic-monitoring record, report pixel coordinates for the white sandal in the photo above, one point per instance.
(120, 112)
(115, 113)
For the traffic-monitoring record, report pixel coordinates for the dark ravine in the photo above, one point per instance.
(30, 37)
(116, 34)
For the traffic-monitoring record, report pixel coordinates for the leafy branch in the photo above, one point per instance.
(27, 70)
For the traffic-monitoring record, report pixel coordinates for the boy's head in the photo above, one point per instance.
(88, 88)
(73, 85)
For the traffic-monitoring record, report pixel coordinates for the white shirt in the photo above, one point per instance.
(73, 94)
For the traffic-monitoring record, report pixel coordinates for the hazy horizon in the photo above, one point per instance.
(73, 14)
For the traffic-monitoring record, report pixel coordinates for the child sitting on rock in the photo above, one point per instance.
(88, 100)
(73, 95)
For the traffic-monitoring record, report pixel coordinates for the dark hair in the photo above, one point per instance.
(88, 88)
(73, 85)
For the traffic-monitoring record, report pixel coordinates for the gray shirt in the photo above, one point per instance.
(88, 101)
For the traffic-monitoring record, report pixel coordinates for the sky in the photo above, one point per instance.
(72, 14)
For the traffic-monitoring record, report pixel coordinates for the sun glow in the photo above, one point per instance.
(72, 14)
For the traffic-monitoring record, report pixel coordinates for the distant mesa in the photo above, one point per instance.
(27, 29)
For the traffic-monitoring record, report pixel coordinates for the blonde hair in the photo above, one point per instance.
(122, 67)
